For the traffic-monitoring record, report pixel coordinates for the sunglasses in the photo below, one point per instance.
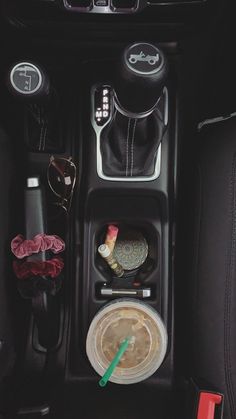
(61, 176)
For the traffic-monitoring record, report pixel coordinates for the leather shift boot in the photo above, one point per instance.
(129, 146)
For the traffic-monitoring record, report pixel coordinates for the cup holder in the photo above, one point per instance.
(137, 250)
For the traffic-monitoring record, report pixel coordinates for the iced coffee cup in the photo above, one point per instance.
(147, 335)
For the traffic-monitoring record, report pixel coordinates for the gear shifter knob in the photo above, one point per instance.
(29, 82)
(140, 78)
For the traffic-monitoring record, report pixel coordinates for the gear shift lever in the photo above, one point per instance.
(140, 79)
(30, 84)
(130, 118)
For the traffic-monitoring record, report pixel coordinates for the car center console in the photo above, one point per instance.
(127, 180)
(112, 107)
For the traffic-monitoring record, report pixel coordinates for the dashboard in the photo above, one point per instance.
(119, 6)
(168, 12)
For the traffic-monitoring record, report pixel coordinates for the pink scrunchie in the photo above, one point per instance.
(40, 243)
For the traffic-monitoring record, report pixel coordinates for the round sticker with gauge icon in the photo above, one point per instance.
(26, 78)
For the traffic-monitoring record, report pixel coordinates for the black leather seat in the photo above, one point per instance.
(214, 295)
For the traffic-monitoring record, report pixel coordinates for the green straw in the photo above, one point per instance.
(114, 362)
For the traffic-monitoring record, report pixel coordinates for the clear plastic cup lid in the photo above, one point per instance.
(147, 340)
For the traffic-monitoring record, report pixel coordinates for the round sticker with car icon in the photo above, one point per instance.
(143, 58)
